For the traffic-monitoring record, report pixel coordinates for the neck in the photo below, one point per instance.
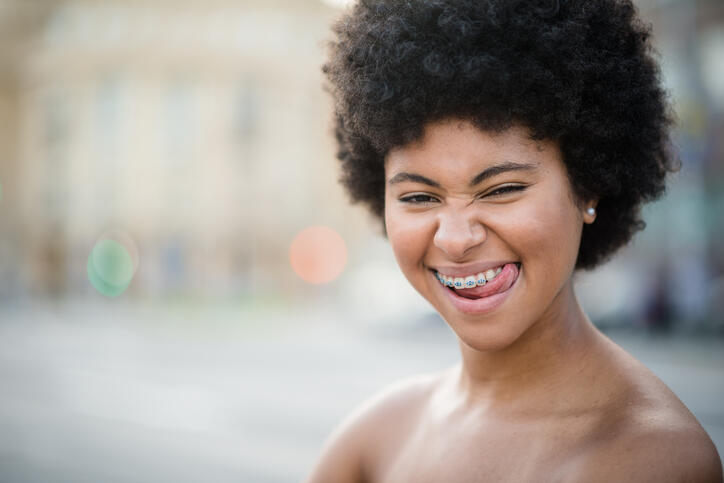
(549, 353)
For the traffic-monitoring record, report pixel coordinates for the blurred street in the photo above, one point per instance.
(191, 394)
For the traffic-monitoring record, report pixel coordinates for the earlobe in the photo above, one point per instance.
(589, 214)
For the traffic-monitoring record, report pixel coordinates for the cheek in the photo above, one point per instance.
(408, 237)
(544, 230)
(557, 233)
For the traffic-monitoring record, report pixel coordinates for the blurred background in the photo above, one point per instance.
(185, 292)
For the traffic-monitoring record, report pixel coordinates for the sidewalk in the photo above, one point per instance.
(189, 395)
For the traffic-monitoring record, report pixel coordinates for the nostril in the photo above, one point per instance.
(457, 240)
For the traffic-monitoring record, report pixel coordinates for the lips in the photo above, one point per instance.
(484, 299)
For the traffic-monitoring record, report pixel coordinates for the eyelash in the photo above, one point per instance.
(506, 189)
(418, 199)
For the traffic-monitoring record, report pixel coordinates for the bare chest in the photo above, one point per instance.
(516, 452)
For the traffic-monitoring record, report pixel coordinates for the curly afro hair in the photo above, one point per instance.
(579, 72)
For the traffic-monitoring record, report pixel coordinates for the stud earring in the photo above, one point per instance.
(591, 210)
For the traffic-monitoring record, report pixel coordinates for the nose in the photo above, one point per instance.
(458, 232)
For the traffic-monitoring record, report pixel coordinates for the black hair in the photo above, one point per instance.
(580, 72)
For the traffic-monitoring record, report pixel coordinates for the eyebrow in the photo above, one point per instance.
(499, 168)
(479, 178)
(414, 177)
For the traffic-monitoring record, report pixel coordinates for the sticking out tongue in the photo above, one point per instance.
(501, 283)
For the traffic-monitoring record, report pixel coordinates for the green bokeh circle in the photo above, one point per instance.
(100, 285)
(110, 268)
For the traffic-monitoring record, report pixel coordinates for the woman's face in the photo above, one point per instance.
(464, 203)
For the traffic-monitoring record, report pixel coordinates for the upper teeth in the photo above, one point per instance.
(469, 281)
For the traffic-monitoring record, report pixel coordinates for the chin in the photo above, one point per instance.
(488, 338)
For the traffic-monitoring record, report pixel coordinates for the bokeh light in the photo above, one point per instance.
(339, 3)
(112, 263)
(318, 254)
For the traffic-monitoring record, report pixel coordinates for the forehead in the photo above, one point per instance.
(460, 147)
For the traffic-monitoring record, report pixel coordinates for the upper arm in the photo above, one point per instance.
(656, 456)
(341, 458)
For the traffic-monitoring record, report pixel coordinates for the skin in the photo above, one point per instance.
(539, 394)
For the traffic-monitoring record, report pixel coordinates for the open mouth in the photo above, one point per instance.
(481, 285)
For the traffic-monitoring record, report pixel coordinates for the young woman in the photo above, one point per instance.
(505, 145)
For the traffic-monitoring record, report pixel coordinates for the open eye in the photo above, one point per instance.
(506, 189)
(418, 198)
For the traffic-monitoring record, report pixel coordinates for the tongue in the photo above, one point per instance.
(501, 283)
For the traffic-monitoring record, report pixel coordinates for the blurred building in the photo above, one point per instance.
(682, 238)
(198, 128)
(201, 130)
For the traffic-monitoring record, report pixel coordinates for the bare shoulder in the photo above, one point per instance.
(655, 447)
(353, 446)
(647, 436)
